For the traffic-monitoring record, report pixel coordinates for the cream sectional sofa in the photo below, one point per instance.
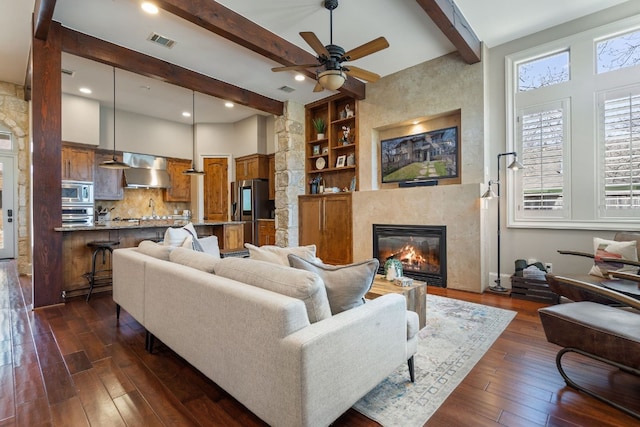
(258, 344)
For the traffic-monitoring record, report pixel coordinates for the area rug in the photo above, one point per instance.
(456, 336)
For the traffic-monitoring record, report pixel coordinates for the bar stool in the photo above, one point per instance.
(101, 277)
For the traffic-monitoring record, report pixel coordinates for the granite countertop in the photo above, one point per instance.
(152, 223)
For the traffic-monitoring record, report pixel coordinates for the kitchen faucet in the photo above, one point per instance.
(152, 205)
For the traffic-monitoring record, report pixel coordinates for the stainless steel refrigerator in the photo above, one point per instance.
(250, 202)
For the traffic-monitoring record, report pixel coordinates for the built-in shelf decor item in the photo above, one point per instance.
(489, 194)
(429, 155)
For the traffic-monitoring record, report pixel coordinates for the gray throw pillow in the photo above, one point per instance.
(346, 284)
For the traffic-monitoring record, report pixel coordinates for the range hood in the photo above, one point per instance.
(146, 171)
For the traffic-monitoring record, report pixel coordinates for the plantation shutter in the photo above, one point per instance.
(622, 152)
(542, 134)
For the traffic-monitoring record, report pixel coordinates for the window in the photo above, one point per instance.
(543, 135)
(574, 119)
(620, 142)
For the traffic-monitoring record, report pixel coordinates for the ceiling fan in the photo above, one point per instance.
(331, 74)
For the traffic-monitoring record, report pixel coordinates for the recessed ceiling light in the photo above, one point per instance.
(299, 77)
(85, 90)
(149, 7)
(228, 104)
(186, 114)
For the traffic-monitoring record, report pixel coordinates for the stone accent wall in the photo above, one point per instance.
(290, 179)
(14, 114)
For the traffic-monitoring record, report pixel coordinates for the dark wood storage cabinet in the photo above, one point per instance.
(326, 221)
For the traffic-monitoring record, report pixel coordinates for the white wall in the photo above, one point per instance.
(540, 244)
(80, 120)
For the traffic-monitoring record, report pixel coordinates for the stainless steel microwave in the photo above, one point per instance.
(77, 192)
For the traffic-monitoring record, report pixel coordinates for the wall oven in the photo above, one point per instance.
(77, 204)
(77, 192)
(77, 215)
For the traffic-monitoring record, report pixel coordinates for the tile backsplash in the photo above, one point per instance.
(136, 204)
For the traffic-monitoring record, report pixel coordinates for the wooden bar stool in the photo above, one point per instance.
(104, 276)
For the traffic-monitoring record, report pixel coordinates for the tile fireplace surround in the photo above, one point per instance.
(456, 206)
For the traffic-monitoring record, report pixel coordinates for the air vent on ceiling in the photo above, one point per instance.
(161, 40)
(68, 72)
(287, 89)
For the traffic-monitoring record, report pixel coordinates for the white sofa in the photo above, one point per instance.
(259, 345)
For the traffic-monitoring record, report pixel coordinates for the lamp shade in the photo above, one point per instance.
(332, 79)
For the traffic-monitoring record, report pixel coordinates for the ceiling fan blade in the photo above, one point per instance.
(361, 74)
(318, 88)
(295, 67)
(366, 49)
(315, 43)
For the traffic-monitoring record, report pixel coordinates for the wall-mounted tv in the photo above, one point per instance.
(431, 155)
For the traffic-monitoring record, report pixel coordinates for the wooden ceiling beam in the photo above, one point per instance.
(226, 23)
(98, 50)
(42, 18)
(446, 15)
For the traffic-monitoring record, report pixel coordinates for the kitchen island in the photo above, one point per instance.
(77, 255)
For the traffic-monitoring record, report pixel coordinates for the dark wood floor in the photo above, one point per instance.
(73, 365)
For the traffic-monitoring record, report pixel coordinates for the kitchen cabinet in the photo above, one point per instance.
(180, 190)
(334, 154)
(254, 166)
(107, 182)
(272, 177)
(77, 163)
(266, 232)
(326, 221)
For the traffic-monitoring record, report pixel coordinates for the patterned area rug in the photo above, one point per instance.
(457, 335)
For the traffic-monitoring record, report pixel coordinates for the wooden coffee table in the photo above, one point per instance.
(415, 294)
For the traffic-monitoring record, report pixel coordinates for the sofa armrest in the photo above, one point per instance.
(342, 358)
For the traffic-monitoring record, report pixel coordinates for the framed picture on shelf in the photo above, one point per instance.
(316, 150)
(340, 161)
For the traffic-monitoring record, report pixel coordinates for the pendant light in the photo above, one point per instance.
(192, 170)
(114, 163)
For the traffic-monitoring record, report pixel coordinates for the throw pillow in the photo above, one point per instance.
(190, 258)
(278, 255)
(176, 236)
(155, 250)
(603, 248)
(210, 246)
(284, 280)
(346, 284)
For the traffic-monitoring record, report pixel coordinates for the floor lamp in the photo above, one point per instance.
(489, 194)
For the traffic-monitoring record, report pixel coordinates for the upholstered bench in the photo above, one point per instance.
(601, 332)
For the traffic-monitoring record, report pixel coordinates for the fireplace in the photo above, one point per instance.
(422, 250)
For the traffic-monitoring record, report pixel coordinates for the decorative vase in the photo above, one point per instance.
(392, 269)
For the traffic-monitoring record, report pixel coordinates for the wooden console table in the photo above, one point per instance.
(415, 294)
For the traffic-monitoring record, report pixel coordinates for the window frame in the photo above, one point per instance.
(582, 196)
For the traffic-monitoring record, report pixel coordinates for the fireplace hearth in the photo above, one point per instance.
(422, 250)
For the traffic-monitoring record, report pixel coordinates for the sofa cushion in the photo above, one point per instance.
(299, 284)
(176, 236)
(155, 250)
(603, 248)
(198, 260)
(346, 284)
(277, 255)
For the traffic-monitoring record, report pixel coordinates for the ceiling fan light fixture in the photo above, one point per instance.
(332, 79)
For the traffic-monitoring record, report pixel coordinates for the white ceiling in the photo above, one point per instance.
(413, 39)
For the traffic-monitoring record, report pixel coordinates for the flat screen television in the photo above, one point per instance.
(431, 155)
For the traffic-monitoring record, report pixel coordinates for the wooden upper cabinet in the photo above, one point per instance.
(77, 163)
(254, 166)
(180, 190)
(107, 182)
(272, 177)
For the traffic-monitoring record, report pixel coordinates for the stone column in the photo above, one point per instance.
(14, 115)
(290, 178)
